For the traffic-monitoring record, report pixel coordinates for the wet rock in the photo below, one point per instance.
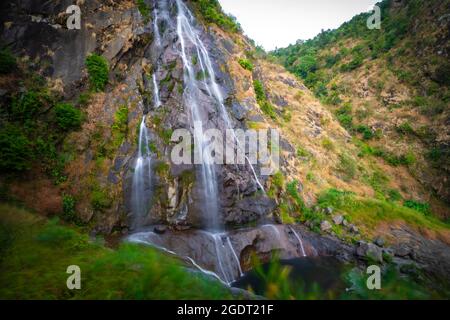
(250, 209)
(402, 250)
(379, 241)
(345, 223)
(286, 146)
(353, 228)
(239, 111)
(160, 229)
(338, 219)
(370, 251)
(325, 226)
(112, 178)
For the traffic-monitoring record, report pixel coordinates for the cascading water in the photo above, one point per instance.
(192, 92)
(156, 26)
(142, 177)
(209, 77)
(299, 241)
(157, 100)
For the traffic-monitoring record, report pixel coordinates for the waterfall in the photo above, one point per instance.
(142, 238)
(299, 241)
(209, 80)
(156, 26)
(275, 231)
(157, 100)
(238, 263)
(192, 93)
(141, 187)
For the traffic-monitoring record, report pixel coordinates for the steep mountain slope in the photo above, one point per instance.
(75, 102)
(389, 89)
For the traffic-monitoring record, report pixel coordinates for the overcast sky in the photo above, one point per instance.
(278, 23)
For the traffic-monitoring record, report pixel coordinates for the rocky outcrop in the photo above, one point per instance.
(221, 252)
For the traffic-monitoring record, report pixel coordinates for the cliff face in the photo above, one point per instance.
(160, 68)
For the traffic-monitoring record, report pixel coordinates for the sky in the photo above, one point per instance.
(278, 23)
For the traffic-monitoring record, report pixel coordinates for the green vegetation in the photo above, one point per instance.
(38, 253)
(347, 167)
(69, 212)
(328, 144)
(8, 62)
(15, 150)
(261, 98)
(67, 116)
(212, 13)
(144, 10)
(120, 126)
(418, 206)
(98, 70)
(31, 120)
(369, 213)
(246, 64)
(100, 199)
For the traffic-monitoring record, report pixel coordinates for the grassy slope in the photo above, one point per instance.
(35, 254)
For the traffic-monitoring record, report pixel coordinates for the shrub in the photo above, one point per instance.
(68, 207)
(15, 150)
(328, 144)
(302, 153)
(120, 126)
(7, 61)
(212, 12)
(366, 132)
(307, 65)
(67, 117)
(100, 200)
(405, 128)
(344, 115)
(261, 98)
(143, 9)
(259, 91)
(29, 104)
(418, 206)
(247, 65)
(347, 167)
(98, 70)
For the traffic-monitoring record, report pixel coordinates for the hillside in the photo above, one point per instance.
(86, 139)
(389, 90)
